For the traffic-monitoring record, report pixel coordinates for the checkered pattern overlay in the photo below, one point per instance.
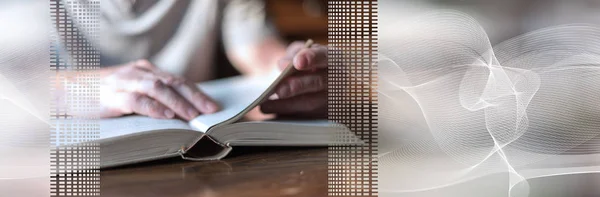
(74, 159)
(352, 96)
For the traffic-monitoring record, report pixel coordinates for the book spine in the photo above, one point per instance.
(205, 148)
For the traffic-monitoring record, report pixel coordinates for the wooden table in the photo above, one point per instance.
(249, 171)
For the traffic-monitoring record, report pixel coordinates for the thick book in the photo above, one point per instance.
(134, 139)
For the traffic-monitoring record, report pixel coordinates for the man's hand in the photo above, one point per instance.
(304, 94)
(140, 87)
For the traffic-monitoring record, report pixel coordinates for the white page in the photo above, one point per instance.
(114, 127)
(234, 95)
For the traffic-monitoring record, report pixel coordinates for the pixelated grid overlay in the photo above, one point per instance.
(352, 96)
(75, 161)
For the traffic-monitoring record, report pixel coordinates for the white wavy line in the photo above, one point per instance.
(21, 101)
(523, 84)
(477, 177)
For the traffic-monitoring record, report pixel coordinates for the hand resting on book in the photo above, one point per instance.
(140, 87)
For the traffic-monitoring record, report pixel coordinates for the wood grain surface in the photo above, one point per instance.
(249, 171)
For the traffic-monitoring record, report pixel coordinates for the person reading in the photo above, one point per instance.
(154, 52)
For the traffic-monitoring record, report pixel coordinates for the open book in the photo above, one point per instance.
(134, 139)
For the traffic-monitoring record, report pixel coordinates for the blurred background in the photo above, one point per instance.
(300, 19)
(502, 19)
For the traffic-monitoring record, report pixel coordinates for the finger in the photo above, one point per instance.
(127, 78)
(157, 90)
(121, 103)
(311, 58)
(307, 103)
(291, 51)
(144, 105)
(168, 78)
(144, 63)
(201, 101)
(302, 84)
(293, 48)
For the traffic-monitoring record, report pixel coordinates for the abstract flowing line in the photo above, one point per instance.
(498, 148)
(413, 60)
(7, 88)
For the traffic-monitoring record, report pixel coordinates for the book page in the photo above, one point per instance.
(235, 95)
(286, 133)
(115, 127)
